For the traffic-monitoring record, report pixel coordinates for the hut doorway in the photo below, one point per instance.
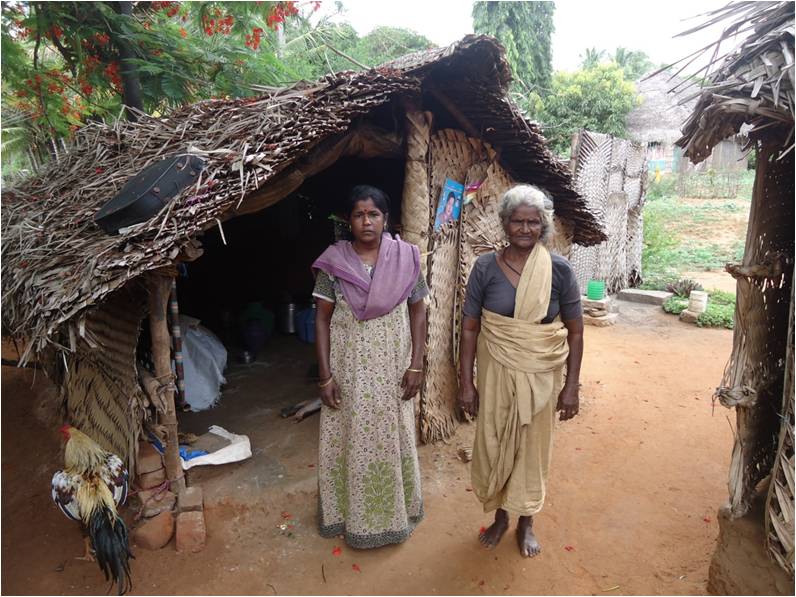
(257, 265)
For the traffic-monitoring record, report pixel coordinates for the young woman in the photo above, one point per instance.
(370, 337)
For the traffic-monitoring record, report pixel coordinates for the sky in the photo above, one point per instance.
(639, 25)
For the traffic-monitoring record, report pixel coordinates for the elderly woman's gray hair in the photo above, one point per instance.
(530, 196)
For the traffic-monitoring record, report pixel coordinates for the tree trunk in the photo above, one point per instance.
(131, 85)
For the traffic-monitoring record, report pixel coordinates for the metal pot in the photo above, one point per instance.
(287, 314)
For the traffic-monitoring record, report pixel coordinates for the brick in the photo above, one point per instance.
(650, 297)
(689, 316)
(155, 532)
(149, 459)
(600, 322)
(191, 532)
(595, 312)
(162, 502)
(153, 479)
(191, 499)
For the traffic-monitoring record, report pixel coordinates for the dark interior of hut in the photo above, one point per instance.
(252, 287)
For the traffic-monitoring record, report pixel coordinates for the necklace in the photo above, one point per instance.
(503, 256)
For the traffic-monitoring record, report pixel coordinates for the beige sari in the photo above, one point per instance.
(520, 373)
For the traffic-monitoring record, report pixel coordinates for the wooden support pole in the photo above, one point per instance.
(159, 290)
(415, 200)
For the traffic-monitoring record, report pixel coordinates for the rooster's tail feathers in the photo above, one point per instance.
(109, 539)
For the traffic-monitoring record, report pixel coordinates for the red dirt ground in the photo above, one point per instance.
(635, 484)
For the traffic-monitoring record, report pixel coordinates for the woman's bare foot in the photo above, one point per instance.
(492, 536)
(529, 546)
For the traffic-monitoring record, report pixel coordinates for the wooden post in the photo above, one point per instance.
(415, 207)
(159, 290)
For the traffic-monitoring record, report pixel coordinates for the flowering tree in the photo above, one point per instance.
(67, 62)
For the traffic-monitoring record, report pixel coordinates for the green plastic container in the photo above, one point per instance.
(595, 290)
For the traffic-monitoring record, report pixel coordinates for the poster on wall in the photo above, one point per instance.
(450, 203)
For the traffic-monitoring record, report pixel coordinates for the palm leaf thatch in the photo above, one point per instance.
(753, 84)
(57, 262)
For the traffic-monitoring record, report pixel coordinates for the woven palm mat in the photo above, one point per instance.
(610, 174)
(104, 398)
(451, 154)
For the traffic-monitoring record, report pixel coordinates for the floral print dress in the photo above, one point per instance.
(368, 472)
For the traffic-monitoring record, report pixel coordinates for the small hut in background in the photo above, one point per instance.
(754, 85)
(274, 167)
(656, 124)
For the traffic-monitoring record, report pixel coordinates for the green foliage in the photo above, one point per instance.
(657, 282)
(720, 311)
(597, 99)
(717, 315)
(675, 305)
(591, 57)
(662, 186)
(525, 29)
(309, 51)
(63, 62)
(721, 297)
(683, 288)
(634, 62)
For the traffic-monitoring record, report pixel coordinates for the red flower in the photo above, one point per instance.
(99, 170)
(482, 530)
(183, 32)
(337, 551)
(355, 568)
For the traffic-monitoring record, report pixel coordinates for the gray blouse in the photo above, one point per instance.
(489, 288)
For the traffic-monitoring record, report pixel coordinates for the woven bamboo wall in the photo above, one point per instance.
(610, 173)
(451, 154)
(103, 396)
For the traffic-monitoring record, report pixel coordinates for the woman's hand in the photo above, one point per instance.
(411, 384)
(568, 402)
(330, 395)
(468, 399)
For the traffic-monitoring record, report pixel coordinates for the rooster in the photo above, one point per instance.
(88, 490)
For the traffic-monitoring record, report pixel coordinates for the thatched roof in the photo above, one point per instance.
(660, 116)
(754, 83)
(57, 262)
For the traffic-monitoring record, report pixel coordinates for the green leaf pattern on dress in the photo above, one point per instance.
(379, 494)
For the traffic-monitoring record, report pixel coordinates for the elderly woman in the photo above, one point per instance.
(370, 338)
(522, 312)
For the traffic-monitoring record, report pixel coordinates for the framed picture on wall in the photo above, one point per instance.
(450, 203)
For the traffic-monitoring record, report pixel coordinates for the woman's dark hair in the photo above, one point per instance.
(451, 194)
(361, 193)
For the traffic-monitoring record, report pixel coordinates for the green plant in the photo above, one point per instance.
(597, 99)
(657, 282)
(721, 297)
(717, 316)
(664, 186)
(683, 288)
(675, 305)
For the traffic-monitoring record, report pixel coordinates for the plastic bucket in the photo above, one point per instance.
(595, 290)
(698, 301)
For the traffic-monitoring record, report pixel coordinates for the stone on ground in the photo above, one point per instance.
(650, 297)
(161, 502)
(601, 322)
(155, 532)
(191, 532)
(191, 499)
(688, 316)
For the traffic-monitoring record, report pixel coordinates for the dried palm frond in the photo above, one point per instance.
(752, 83)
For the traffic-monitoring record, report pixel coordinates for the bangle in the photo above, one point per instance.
(415, 370)
(326, 383)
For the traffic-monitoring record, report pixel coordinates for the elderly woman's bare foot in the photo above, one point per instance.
(492, 536)
(529, 546)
